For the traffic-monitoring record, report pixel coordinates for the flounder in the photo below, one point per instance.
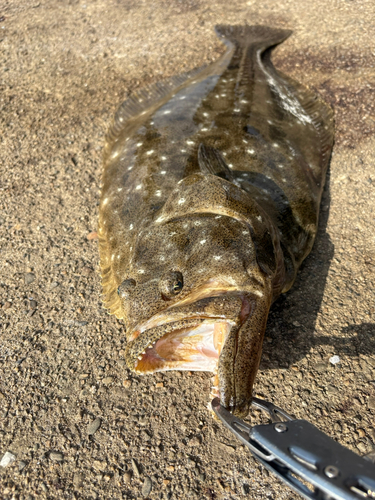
(211, 191)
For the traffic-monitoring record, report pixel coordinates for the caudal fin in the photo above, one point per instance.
(245, 36)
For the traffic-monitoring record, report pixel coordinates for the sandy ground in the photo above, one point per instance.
(78, 423)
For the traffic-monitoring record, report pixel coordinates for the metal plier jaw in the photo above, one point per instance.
(306, 459)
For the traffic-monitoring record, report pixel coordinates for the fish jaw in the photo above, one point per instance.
(240, 356)
(196, 348)
(229, 347)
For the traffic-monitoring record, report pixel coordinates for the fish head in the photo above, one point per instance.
(192, 292)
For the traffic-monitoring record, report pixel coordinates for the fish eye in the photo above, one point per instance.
(125, 288)
(171, 285)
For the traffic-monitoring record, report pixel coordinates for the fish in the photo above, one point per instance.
(210, 200)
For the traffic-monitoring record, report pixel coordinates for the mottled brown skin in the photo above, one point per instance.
(212, 185)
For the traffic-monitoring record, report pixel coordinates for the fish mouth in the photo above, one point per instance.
(192, 344)
(192, 339)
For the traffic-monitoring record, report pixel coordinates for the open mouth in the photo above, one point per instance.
(195, 347)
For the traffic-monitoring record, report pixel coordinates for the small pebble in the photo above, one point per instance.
(92, 236)
(362, 447)
(334, 360)
(8, 459)
(245, 489)
(21, 465)
(77, 480)
(147, 487)
(7, 305)
(127, 477)
(93, 426)
(29, 278)
(127, 383)
(135, 467)
(54, 285)
(33, 304)
(86, 271)
(56, 456)
(107, 380)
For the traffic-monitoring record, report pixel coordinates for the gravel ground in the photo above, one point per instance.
(78, 423)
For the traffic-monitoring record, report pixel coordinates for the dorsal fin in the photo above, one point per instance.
(211, 161)
(146, 99)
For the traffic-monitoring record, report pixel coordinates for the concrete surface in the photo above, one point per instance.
(79, 425)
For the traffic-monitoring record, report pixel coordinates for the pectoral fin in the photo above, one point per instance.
(211, 161)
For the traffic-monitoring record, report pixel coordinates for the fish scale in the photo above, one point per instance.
(211, 191)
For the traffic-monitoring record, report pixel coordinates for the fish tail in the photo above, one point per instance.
(260, 37)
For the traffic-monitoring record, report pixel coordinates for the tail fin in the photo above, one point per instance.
(261, 37)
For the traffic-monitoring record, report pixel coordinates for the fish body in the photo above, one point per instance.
(211, 191)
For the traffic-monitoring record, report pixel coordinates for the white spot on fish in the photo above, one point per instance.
(138, 187)
(204, 129)
(167, 112)
(280, 165)
(217, 257)
(223, 95)
(112, 256)
(202, 242)
(163, 158)
(190, 142)
(275, 145)
(150, 152)
(162, 257)
(115, 154)
(139, 144)
(141, 271)
(119, 189)
(236, 110)
(270, 122)
(218, 217)
(230, 165)
(158, 193)
(217, 96)
(105, 201)
(181, 201)
(118, 256)
(259, 218)
(205, 114)
(243, 101)
(258, 293)
(183, 150)
(244, 232)
(131, 227)
(163, 172)
(251, 151)
(182, 97)
(245, 141)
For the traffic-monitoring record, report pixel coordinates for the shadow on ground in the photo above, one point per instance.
(291, 327)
